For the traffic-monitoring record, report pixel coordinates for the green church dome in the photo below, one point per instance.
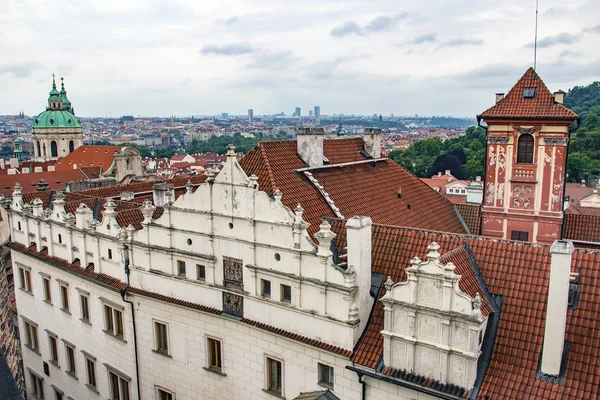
(56, 119)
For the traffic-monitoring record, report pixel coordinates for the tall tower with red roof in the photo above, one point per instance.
(526, 162)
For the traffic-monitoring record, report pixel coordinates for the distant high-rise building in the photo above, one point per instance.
(310, 113)
(297, 113)
(224, 115)
(317, 111)
(250, 114)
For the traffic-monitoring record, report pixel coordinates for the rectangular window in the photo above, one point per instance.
(326, 375)
(214, 354)
(59, 238)
(85, 307)
(31, 336)
(529, 92)
(90, 366)
(164, 395)
(519, 235)
(58, 395)
(119, 387)
(181, 268)
(47, 290)
(110, 254)
(200, 272)
(274, 375)
(70, 352)
(160, 332)
(18, 225)
(286, 293)
(113, 321)
(25, 276)
(37, 386)
(64, 297)
(53, 349)
(265, 288)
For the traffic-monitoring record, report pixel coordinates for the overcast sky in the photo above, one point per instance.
(159, 57)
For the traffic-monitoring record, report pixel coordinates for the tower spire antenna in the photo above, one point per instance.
(53, 80)
(535, 40)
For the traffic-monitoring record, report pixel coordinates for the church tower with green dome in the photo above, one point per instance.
(56, 131)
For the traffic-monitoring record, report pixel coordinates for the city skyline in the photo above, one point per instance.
(159, 59)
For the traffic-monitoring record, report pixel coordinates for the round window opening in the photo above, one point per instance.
(189, 242)
(277, 257)
(36, 121)
(68, 121)
(51, 121)
(231, 225)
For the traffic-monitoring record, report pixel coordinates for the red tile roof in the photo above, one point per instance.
(575, 209)
(471, 214)
(542, 106)
(519, 272)
(361, 189)
(583, 227)
(89, 156)
(55, 179)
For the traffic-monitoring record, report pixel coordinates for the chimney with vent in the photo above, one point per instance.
(372, 138)
(475, 191)
(556, 308)
(310, 146)
(559, 97)
(499, 97)
(163, 194)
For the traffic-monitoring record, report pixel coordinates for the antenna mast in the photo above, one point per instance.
(535, 41)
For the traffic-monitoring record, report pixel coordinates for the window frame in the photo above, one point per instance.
(328, 383)
(181, 263)
(53, 348)
(64, 297)
(268, 377)
(71, 364)
(200, 272)
(84, 299)
(31, 335)
(521, 236)
(157, 339)
(282, 293)
(265, 284)
(165, 391)
(525, 149)
(25, 279)
(120, 380)
(110, 324)
(109, 254)
(213, 365)
(37, 383)
(91, 379)
(47, 289)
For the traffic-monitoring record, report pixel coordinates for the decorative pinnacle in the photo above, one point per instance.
(277, 195)
(433, 251)
(62, 83)
(53, 81)
(230, 150)
(388, 284)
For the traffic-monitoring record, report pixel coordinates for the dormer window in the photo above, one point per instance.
(525, 149)
(529, 92)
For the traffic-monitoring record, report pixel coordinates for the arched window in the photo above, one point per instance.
(53, 149)
(525, 149)
(71, 146)
(39, 152)
(44, 147)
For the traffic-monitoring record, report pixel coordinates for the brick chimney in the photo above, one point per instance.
(372, 138)
(499, 97)
(559, 97)
(310, 146)
(163, 194)
(556, 308)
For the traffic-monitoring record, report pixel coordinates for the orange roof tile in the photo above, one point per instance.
(519, 272)
(582, 227)
(471, 214)
(542, 106)
(89, 156)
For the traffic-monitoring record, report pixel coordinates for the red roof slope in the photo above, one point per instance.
(55, 179)
(520, 273)
(540, 107)
(471, 214)
(582, 227)
(361, 189)
(89, 156)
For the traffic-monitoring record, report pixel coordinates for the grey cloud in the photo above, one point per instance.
(231, 20)
(549, 41)
(595, 29)
(431, 37)
(461, 42)
(377, 24)
(327, 69)
(346, 29)
(20, 70)
(569, 53)
(555, 12)
(232, 49)
(277, 60)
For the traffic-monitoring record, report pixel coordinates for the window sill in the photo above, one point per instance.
(65, 311)
(214, 371)
(326, 385)
(162, 353)
(49, 303)
(119, 338)
(92, 388)
(272, 393)
(72, 375)
(86, 321)
(51, 362)
(36, 351)
(29, 292)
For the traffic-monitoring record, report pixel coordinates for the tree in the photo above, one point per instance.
(447, 162)
(578, 166)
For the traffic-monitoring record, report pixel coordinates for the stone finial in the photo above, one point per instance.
(188, 186)
(325, 236)
(37, 207)
(253, 181)
(415, 261)
(277, 195)
(476, 305)
(17, 188)
(388, 284)
(210, 175)
(69, 219)
(147, 211)
(353, 312)
(59, 198)
(109, 207)
(298, 211)
(130, 232)
(433, 251)
(93, 224)
(27, 209)
(122, 235)
(230, 150)
(449, 267)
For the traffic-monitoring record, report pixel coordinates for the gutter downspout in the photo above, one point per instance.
(123, 293)
(479, 119)
(363, 384)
